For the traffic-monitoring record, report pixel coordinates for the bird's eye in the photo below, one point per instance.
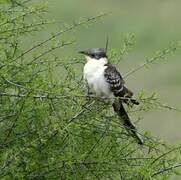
(92, 55)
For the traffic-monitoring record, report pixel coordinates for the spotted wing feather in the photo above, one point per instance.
(116, 82)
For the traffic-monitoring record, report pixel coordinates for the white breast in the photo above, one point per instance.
(94, 75)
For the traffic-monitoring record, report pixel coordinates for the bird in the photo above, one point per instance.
(105, 81)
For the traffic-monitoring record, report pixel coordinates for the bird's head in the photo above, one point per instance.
(95, 54)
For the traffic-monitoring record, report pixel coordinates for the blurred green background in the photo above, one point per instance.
(156, 24)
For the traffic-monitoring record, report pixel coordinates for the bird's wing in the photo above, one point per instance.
(116, 82)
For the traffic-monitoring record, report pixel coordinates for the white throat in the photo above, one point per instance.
(101, 61)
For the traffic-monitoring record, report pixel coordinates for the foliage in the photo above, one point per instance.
(49, 128)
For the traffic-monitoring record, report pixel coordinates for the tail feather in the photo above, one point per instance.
(120, 110)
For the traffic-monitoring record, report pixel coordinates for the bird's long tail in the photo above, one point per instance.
(120, 110)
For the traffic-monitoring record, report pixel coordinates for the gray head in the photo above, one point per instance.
(95, 53)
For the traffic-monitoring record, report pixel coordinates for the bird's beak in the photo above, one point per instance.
(83, 52)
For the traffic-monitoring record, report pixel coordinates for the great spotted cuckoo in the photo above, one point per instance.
(104, 80)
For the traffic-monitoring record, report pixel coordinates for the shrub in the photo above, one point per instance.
(50, 129)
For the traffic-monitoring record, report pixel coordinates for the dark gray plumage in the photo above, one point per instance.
(117, 84)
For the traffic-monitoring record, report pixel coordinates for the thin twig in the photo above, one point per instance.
(166, 170)
(85, 107)
(14, 123)
(29, 26)
(22, 15)
(164, 154)
(75, 25)
(149, 61)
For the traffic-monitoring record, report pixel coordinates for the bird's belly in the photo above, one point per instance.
(97, 83)
(99, 86)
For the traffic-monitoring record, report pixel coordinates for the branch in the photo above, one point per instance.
(28, 26)
(85, 107)
(22, 15)
(14, 122)
(166, 169)
(60, 96)
(50, 50)
(161, 156)
(162, 55)
(75, 25)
